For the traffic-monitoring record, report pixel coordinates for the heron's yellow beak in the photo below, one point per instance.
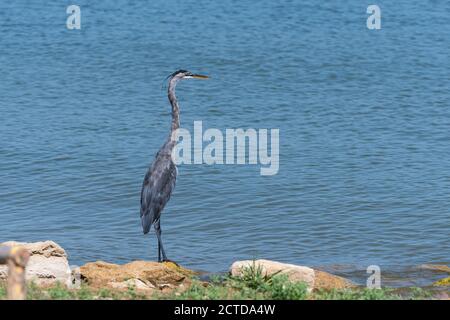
(199, 76)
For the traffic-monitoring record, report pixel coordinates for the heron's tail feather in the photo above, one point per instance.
(147, 221)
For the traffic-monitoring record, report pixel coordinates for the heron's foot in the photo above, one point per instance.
(170, 263)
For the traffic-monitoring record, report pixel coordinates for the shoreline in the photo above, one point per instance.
(48, 269)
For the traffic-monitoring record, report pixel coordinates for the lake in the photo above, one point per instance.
(364, 118)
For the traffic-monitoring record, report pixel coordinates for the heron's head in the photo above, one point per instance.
(184, 74)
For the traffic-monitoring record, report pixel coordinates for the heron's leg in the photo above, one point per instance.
(160, 245)
(159, 252)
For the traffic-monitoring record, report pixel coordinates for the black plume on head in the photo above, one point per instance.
(177, 72)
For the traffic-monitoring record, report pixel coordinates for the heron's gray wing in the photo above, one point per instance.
(157, 187)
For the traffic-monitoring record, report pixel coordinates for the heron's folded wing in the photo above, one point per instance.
(157, 188)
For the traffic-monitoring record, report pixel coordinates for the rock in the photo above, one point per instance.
(314, 279)
(443, 282)
(48, 263)
(436, 267)
(325, 280)
(142, 275)
(134, 283)
(295, 273)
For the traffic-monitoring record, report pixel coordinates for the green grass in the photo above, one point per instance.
(251, 285)
(281, 289)
(2, 291)
(61, 292)
(412, 293)
(356, 294)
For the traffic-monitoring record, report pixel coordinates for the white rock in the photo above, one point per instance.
(48, 262)
(295, 273)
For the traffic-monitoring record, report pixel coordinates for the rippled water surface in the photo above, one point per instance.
(363, 115)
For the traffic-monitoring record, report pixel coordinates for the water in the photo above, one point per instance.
(363, 117)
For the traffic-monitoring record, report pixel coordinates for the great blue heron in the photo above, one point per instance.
(159, 181)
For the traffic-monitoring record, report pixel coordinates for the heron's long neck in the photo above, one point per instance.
(175, 108)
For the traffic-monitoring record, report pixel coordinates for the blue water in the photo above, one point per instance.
(363, 116)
